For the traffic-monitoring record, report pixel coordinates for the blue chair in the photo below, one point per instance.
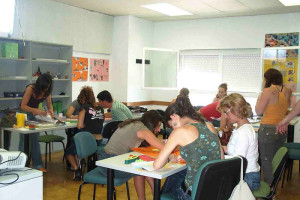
(215, 179)
(86, 146)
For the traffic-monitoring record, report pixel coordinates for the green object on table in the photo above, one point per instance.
(59, 107)
(41, 106)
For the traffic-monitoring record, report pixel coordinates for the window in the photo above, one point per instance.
(7, 13)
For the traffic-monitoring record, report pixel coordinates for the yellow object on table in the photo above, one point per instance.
(20, 120)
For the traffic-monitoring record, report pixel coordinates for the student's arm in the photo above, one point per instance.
(69, 113)
(80, 123)
(150, 138)
(282, 126)
(262, 101)
(35, 111)
(107, 115)
(211, 127)
(172, 143)
(49, 105)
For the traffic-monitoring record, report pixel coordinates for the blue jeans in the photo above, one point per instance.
(253, 180)
(173, 184)
(35, 150)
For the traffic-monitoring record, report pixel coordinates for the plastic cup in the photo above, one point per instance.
(20, 120)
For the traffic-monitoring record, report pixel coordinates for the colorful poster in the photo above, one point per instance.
(79, 69)
(99, 70)
(282, 39)
(286, 61)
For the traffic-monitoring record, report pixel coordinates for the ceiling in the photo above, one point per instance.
(199, 8)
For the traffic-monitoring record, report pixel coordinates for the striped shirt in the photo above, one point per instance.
(120, 112)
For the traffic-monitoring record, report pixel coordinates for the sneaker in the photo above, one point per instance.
(43, 170)
(77, 175)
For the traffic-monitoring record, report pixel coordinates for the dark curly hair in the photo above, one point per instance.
(273, 76)
(183, 107)
(150, 119)
(86, 95)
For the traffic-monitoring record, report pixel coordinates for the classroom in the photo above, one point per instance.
(125, 55)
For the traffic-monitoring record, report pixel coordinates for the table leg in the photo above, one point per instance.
(6, 139)
(26, 148)
(110, 184)
(290, 135)
(156, 189)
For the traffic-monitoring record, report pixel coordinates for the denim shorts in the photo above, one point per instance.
(253, 180)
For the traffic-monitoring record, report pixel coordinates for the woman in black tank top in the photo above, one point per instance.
(33, 95)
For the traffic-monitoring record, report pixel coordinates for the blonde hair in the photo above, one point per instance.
(238, 105)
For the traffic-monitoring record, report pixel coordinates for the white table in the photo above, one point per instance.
(29, 186)
(117, 163)
(26, 133)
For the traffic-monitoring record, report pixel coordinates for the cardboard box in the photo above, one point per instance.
(9, 50)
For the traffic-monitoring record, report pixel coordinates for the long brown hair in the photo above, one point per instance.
(150, 119)
(183, 107)
(43, 86)
(273, 76)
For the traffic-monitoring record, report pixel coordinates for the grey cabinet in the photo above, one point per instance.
(18, 72)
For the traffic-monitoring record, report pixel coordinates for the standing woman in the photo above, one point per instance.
(273, 103)
(222, 92)
(34, 95)
(131, 133)
(198, 144)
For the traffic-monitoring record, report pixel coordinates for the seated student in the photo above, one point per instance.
(90, 119)
(131, 133)
(243, 140)
(195, 139)
(119, 112)
(182, 92)
(222, 92)
(74, 108)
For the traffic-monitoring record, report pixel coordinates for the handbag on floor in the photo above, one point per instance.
(241, 191)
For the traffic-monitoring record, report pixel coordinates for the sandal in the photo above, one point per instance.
(77, 175)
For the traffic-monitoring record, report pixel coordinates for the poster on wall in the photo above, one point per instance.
(282, 39)
(79, 69)
(99, 70)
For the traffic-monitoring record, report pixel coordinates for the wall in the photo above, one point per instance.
(49, 21)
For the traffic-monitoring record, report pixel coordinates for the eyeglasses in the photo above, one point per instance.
(226, 112)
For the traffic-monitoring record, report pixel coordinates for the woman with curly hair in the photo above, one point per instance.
(243, 140)
(195, 139)
(90, 119)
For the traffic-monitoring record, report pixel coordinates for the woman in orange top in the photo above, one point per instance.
(273, 103)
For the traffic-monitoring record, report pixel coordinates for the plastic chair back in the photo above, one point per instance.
(216, 179)
(110, 128)
(85, 144)
(278, 163)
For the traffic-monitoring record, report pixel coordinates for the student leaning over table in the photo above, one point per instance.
(243, 140)
(273, 103)
(197, 145)
(131, 133)
(35, 94)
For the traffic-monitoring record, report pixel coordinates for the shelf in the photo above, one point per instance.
(10, 98)
(55, 61)
(13, 59)
(55, 79)
(14, 78)
(59, 96)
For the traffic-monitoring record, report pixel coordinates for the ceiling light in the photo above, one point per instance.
(167, 9)
(290, 2)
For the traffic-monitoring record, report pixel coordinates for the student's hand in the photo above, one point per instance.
(173, 158)
(40, 112)
(51, 112)
(225, 149)
(282, 127)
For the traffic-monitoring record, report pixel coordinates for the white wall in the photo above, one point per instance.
(49, 21)
(140, 36)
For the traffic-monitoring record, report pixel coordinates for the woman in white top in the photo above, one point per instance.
(243, 140)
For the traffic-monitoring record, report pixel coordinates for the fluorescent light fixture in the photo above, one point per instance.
(290, 2)
(167, 9)
(7, 16)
